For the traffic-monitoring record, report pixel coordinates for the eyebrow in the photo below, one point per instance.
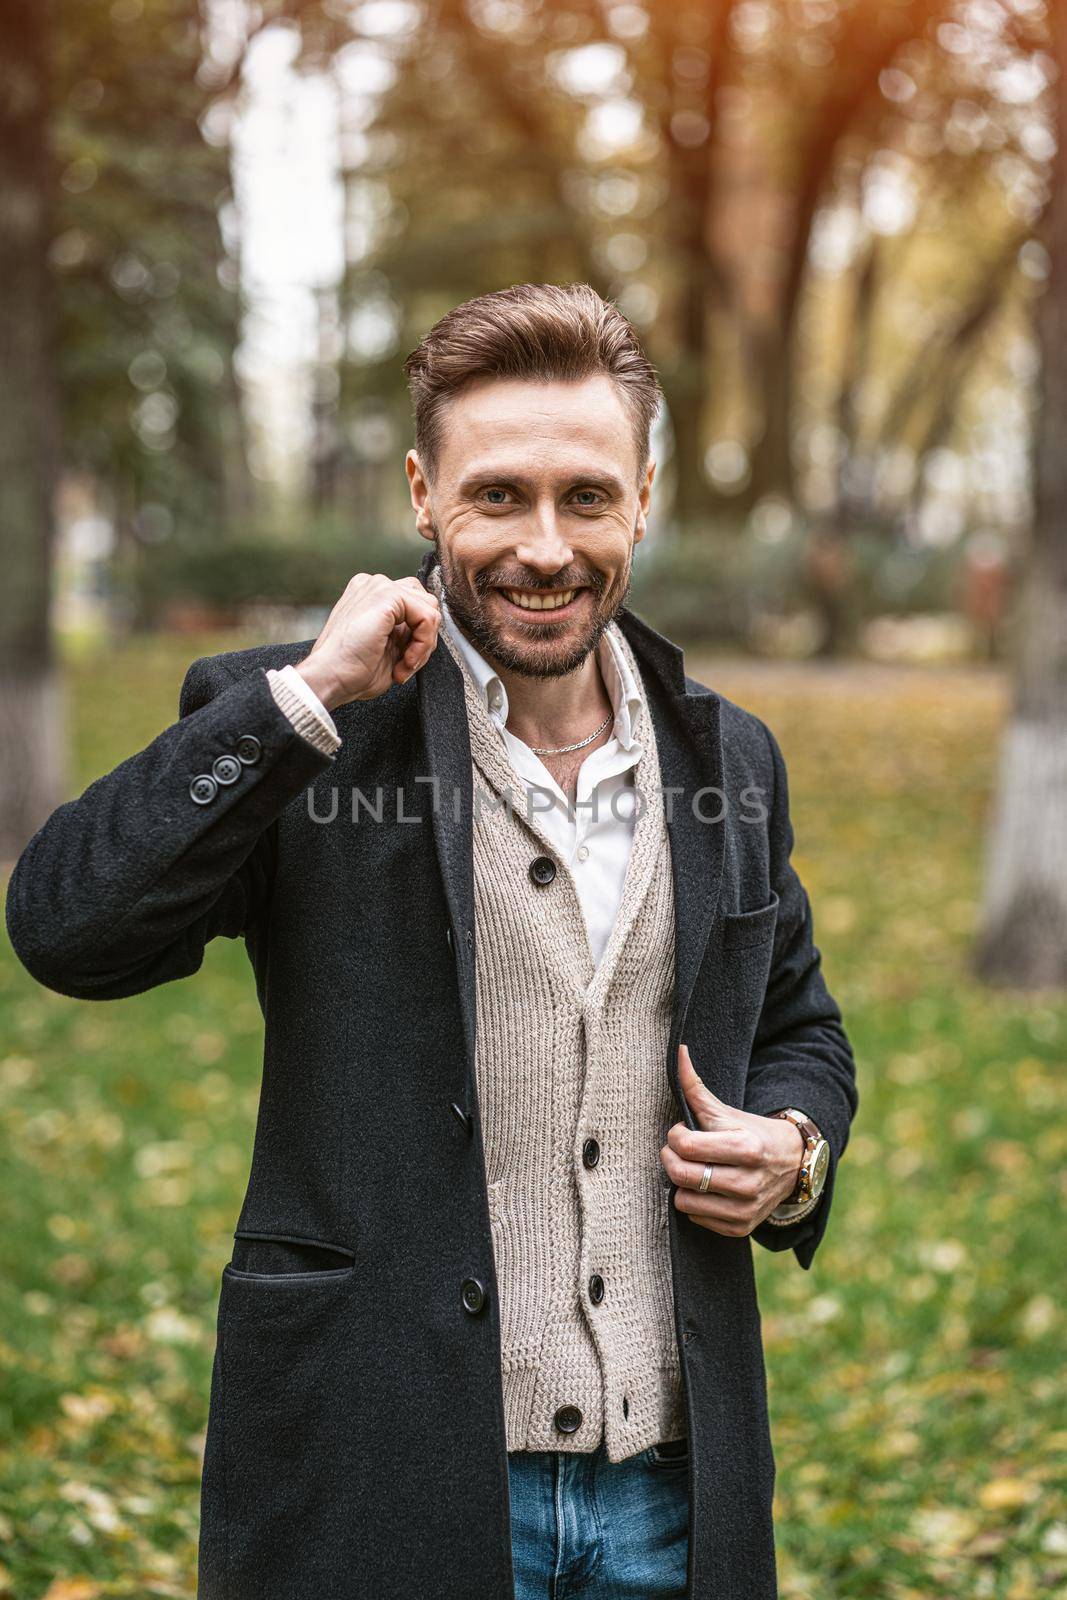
(480, 476)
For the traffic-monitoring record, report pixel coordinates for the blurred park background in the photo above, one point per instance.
(840, 228)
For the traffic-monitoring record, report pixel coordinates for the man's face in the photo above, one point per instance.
(535, 499)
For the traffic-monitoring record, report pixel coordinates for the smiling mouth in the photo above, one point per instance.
(540, 600)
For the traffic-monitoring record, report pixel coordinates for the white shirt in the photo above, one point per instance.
(593, 837)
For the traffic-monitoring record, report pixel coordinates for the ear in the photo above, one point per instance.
(644, 497)
(420, 496)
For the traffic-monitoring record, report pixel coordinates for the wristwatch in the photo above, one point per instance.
(814, 1166)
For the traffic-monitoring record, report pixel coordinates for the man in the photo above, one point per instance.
(547, 1042)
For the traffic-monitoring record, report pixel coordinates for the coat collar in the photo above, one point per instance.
(687, 721)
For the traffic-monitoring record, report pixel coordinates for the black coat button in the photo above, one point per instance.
(248, 749)
(462, 1117)
(472, 1295)
(542, 870)
(596, 1288)
(227, 769)
(590, 1153)
(203, 788)
(568, 1419)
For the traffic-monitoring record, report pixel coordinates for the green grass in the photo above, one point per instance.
(918, 1410)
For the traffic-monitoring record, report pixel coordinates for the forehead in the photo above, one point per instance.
(519, 425)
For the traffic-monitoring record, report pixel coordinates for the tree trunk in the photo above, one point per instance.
(687, 373)
(1023, 940)
(31, 741)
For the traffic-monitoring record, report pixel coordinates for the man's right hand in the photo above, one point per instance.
(380, 632)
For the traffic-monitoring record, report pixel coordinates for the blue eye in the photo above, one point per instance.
(501, 492)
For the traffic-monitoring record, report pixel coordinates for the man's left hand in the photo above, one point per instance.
(756, 1159)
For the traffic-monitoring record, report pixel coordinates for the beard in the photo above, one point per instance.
(538, 652)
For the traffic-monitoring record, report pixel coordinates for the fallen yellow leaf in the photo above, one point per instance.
(1005, 1494)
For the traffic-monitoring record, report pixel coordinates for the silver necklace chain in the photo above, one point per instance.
(563, 748)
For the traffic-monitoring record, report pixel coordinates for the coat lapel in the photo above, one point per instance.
(689, 741)
(443, 715)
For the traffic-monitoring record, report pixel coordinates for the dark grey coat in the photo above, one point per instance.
(355, 1444)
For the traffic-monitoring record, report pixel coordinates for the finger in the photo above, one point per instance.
(420, 607)
(396, 646)
(742, 1183)
(419, 652)
(404, 650)
(419, 623)
(702, 1101)
(685, 1060)
(416, 653)
(413, 588)
(734, 1146)
(686, 1068)
(424, 622)
(718, 1212)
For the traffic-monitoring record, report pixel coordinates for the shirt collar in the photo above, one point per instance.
(623, 687)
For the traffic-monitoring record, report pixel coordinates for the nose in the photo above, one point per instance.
(543, 546)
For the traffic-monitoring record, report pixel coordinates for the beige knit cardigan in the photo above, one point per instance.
(567, 1052)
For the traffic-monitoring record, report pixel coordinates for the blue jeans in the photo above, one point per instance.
(583, 1526)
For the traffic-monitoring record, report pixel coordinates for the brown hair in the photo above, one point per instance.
(542, 331)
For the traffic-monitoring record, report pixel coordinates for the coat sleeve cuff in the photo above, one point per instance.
(805, 1234)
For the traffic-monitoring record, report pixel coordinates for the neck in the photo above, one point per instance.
(556, 711)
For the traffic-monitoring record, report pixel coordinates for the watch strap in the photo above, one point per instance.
(801, 1120)
(811, 1136)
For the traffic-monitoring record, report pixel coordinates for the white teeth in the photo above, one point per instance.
(541, 602)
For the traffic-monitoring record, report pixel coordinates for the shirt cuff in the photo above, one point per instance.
(300, 703)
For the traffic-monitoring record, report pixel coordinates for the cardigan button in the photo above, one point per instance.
(568, 1419)
(596, 1288)
(590, 1153)
(472, 1295)
(542, 870)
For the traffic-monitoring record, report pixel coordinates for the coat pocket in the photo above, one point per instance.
(287, 1256)
(740, 929)
(290, 1399)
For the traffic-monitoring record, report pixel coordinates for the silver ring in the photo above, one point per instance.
(705, 1181)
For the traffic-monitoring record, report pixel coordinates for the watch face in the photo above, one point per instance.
(819, 1167)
